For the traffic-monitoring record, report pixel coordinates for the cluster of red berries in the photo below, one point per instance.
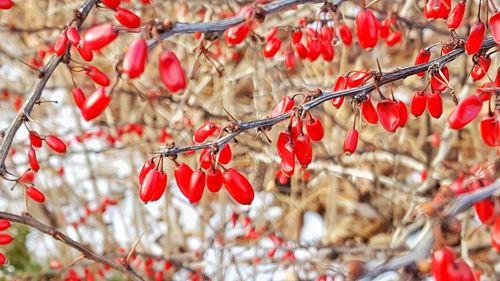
(446, 267)
(5, 238)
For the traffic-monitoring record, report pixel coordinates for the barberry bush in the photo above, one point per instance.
(250, 140)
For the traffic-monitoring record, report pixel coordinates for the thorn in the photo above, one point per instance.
(132, 250)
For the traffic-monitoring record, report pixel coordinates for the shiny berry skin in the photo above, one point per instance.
(436, 9)
(214, 180)
(4, 224)
(127, 18)
(296, 126)
(238, 187)
(435, 104)
(236, 34)
(32, 160)
(480, 69)
(171, 72)
(182, 174)
(271, 47)
(327, 51)
(403, 113)
(196, 186)
(99, 36)
(78, 97)
(303, 149)
(296, 36)
(287, 155)
(111, 3)
(490, 130)
(418, 103)
(388, 114)
(161, 185)
(393, 38)
(206, 158)
(225, 154)
(495, 234)
(423, 57)
(5, 5)
(495, 27)
(369, 112)
(55, 144)
(97, 76)
(85, 53)
(466, 110)
(314, 49)
(148, 186)
(284, 138)
(438, 82)
(27, 177)
(146, 167)
(456, 16)
(283, 106)
(351, 141)
(35, 139)
(73, 36)
(61, 43)
(35, 194)
(205, 131)
(302, 51)
(475, 39)
(357, 78)
(95, 104)
(366, 29)
(134, 61)
(340, 84)
(5, 239)
(441, 260)
(345, 34)
(314, 129)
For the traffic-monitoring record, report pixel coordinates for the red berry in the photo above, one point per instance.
(182, 174)
(55, 144)
(61, 43)
(214, 180)
(475, 39)
(225, 154)
(27, 177)
(301, 50)
(95, 104)
(134, 61)
(345, 34)
(303, 149)
(314, 49)
(5, 5)
(296, 36)
(236, 34)
(35, 139)
(418, 103)
(393, 38)
(441, 260)
(238, 187)
(340, 84)
(423, 57)
(366, 29)
(5, 239)
(111, 3)
(4, 225)
(205, 131)
(495, 234)
(435, 9)
(357, 78)
(438, 81)
(456, 15)
(73, 36)
(287, 154)
(435, 104)
(290, 60)
(490, 130)
(388, 114)
(99, 36)
(171, 72)
(283, 106)
(271, 47)
(97, 75)
(127, 18)
(160, 187)
(314, 129)
(368, 111)
(35, 194)
(327, 51)
(480, 68)
(296, 126)
(495, 27)
(403, 113)
(206, 158)
(148, 186)
(146, 167)
(351, 141)
(196, 186)
(78, 97)
(32, 160)
(466, 110)
(85, 53)
(284, 138)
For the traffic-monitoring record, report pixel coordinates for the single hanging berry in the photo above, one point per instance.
(205, 131)
(480, 69)
(238, 187)
(388, 114)
(111, 3)
(495, 234)
(95, 104)
(4, 224)
(134, 61)
(490, 130)
(435, 104)
(475, 39)
(98, 37)
(437, 9)
(78, 97)
(441, 260)
(456, 15)
(6, 4)
(314, 129)
(287, 155)
(351, 141)
(55, 144)
(283, 106)
(73, 36)
(214, 180)
(61, 43)
(196, 186)
(27, 177)
(345, 34)
(466, 110)
(32, 160)
(171, 72)
(149, 185)
(127, 18)
(438, 81)
(5, 239)
(236, 34)
(85, 53)
(368, 111)
(403, 113)
(271, 47)
(35, 194)
(97, 75)
(225, 154)
(146, 167)
(423, 57)
(303, 149)
(367, 29)
(182, 174)
(340, 84)
(495, 27)
(418, 103)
